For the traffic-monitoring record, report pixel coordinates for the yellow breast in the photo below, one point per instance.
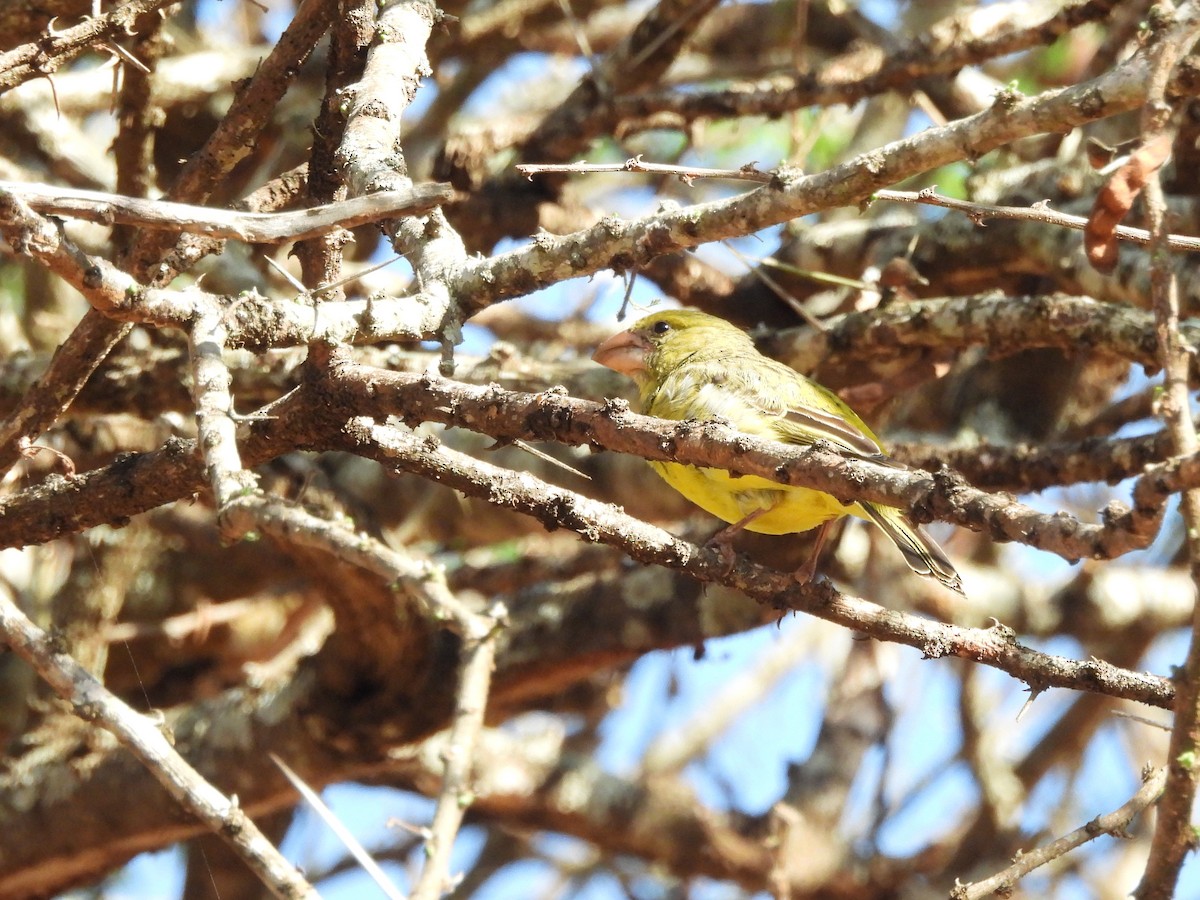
(733, 497)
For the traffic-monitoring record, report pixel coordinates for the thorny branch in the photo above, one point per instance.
(600, 522)
(1173, 835)
(147, 741)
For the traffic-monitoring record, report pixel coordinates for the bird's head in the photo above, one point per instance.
(658, 343)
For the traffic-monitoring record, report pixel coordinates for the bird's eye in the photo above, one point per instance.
(661, 327)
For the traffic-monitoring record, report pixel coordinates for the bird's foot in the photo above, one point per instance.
(722, 541)
(808, 571)
(722, 544)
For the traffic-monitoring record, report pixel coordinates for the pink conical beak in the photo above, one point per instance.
(624, 352)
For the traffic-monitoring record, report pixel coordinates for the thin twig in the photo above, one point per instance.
(357, 850)
(252, 227)
(579, 33)
(1039, 212)
(1113, 823)
(686, 174)
(474, 682)
(777, 289)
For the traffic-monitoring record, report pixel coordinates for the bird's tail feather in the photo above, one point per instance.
(921, 552)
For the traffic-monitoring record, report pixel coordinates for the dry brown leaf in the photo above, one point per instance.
(1116, 199)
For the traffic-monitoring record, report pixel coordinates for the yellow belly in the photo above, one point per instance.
(732, 498)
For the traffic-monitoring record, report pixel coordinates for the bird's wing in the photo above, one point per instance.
(807, 424)
(804, 412)
(764, 398)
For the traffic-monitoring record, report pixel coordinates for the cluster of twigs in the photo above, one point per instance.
(388, 659)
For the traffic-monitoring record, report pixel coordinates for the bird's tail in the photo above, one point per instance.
(921, 552)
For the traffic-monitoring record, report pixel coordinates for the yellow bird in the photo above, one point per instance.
(690, 365)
